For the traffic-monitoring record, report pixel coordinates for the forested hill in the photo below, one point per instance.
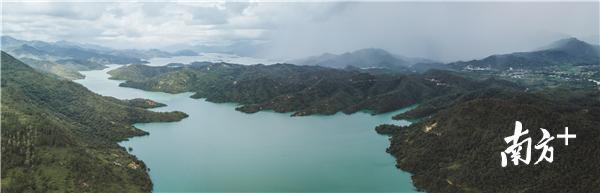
(458, 148)
(364, 59)
(304, 90)
(66, 59)
(57, 136)
(565, 52)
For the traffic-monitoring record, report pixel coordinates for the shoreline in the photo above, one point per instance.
(388, 116)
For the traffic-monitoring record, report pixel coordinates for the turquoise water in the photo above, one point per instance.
(218, 149)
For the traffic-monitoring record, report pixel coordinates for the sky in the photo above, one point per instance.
(444, 31)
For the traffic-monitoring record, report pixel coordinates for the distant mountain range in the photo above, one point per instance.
(65, 58)
(66, 49)
(369, 58)
(461, 119)
(240, 48)
(570, 51)
(41, 50)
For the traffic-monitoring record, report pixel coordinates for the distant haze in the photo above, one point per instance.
(441, 31)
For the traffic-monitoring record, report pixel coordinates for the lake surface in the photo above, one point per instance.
(218, 149)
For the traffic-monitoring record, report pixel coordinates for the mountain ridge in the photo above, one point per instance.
(57, 136)
(363, 58)
(569, 51)
(303, 90)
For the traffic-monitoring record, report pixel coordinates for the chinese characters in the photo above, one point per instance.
(520, 151)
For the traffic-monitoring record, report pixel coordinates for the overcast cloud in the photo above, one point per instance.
(442, 31)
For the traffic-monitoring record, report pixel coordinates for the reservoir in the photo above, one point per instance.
(219, 149)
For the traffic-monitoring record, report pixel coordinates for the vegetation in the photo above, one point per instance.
(457, 149)
(463, 116)
(70, 72)
(65, 59)
(565, 62)
(144, 103)
(388, 129)
(66, 52)
(456, 145)
(569, 51)
(57, 136)
(304, 90)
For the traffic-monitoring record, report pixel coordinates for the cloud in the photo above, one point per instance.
(444, 31)
(89, 11)
(439, 30)
(125, 25)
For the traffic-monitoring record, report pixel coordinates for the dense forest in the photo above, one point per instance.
(304, 90)
(461, 118)
(58, 131)
(455, 145)
(57, 136)
(457, 148)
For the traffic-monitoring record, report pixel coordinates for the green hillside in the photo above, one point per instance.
(303, 90)
(57, 136)
(458, 148)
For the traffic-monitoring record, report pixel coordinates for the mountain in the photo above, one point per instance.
(63, 51)
(57, 136)
(424, 66)
(303, 90)
(575, 47)
(70, 72)
(62, 58)
(65, 58)
(457, 149)
(565, 52)
(82, 45)
(134, 53)
(370, 60)
(239, 48)
(144, 54)
(185, 53)
(364, 59)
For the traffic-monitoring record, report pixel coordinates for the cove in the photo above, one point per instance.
(218, 149)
